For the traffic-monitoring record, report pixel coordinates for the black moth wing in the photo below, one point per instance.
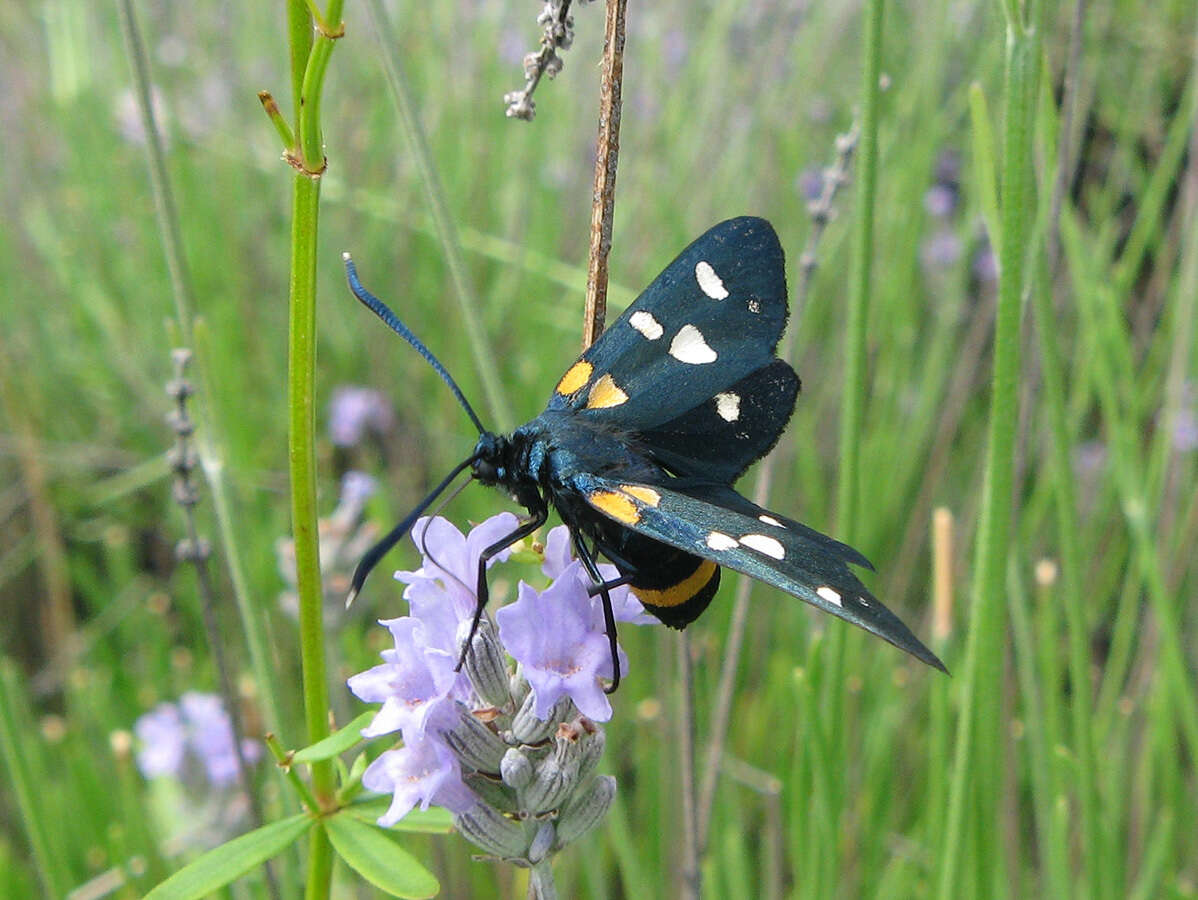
(725, 434)
(713, 316)
(716, 523)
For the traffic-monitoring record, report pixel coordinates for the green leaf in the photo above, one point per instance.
(230, 861)
(336, 743)
(434, 820)
(985, 165)
(378, 858)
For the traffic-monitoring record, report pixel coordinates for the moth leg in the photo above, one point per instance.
(601, 587)
(539, 517)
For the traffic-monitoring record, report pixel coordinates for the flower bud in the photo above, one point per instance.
(493, 832)
(476, 745)
(486, 667)
(584, 813)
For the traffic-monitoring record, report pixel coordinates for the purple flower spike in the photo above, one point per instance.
(424, 772)
(552, 635)
(416, 684)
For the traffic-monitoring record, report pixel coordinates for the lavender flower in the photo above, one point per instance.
(416, 684)
(424, 772)
(197, 729)
(551, 634)
(941, 250)
(513, 756)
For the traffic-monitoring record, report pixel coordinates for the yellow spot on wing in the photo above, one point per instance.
(646, 495)
(616, 505)
(576, 376)
(679, 593)
(604, 393)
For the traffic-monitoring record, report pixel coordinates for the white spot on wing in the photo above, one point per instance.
(689, 346)
(718, 541)
(645, 323)
(728, 406)
(754, 306)
(830, 595)
(770, 520)
(710, 283)
(764, 544)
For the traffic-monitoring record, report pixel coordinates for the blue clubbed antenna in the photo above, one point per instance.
(380, 309)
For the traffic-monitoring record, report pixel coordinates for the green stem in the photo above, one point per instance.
(1060, 448)
(976, 774)
(301, 371)
(302, 459)
(853, 398)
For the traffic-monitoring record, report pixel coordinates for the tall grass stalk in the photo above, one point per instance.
(976, 776)
(1095, 855)
(309, 61)
(852, 409)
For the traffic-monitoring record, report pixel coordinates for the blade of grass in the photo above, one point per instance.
(975, 773)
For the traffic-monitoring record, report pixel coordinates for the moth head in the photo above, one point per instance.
(490, 454)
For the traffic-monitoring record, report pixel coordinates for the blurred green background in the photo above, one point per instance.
(729, 109)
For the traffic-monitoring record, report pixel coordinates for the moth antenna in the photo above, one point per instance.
(380, 309)
(372, 556)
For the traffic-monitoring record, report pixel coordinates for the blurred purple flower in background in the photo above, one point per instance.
(163, 741)
(940, 201)
(197, 729)
(357, 411)
(940, 251)
(1185, 426)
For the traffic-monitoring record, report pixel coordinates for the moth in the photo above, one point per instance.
(644, 436)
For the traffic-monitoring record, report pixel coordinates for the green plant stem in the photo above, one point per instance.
(1060, 447)
(974, 773)
(853, 400)
(301, 370)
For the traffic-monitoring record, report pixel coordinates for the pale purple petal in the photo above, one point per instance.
(415, 684)
(558, 552)
(486, 533)
(452, 560)
(552, 635)
(625, 606)
(425, 772)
